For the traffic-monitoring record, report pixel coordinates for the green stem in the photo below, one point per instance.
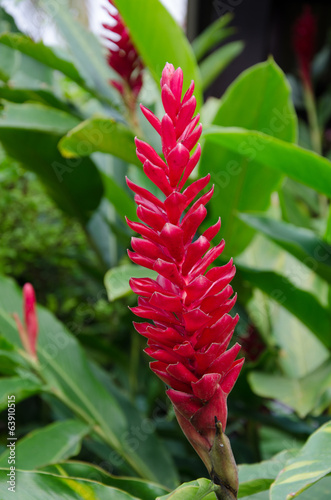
(224, 472)
(315, 132)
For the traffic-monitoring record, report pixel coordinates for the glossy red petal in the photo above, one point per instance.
(206, 387)
(231, 377)
(153, 120)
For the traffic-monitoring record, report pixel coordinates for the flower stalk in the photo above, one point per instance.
(189, 301)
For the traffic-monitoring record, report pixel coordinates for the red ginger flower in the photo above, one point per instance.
(29, 331)
(125, 60)
(304, 41)
(188, 303)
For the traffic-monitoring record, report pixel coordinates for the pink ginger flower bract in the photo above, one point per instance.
(189, 302)
(125, 60)
(29, 331)
(304, 42)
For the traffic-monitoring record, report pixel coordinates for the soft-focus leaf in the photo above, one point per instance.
(100, 134)
(20, 70)
(11, 359)
(20, 387)
(212, 35)
(66, 369)
(33, 116)
(136, 487)
(194, 490)
(300, 351)
(119, 198)
(300, 394)
(22, 95)
(318, 491)
(7, 22)
(117, 279)
(40, 52)
(49, 445)
(256, 147)
(300, 303)
(141, 427)
(254, 478)
(75, 185)
(86, 52)
(259, 99)
(213, 65)
(298, 241)
(312, 463)
(159, 40)
(36, 485)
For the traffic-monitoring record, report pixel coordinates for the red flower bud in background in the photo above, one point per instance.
(29, 331)
(189, 302)
(124, 59)
(304, 41)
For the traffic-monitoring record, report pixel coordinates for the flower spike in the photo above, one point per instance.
(124, 59)
(188, 303)
(304, 42)
(29, 331)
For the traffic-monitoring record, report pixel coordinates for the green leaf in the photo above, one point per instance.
(65, 368)
(42, 53)
(33, 116)
(75, 185)
(22, 95)
(117, 279)
(259, 99)
(86, 52)
(302, 394)
(20, 70)
(11, 359)
(136, 487)
(213, 65)
(100, 134)
(312, 463)
(211, 36)
(319, 490)
(194, 490)
(300, 164)
(140, 427)
(298, 241)
(119, 198)
(49, 445)
(159, 40)
(298, 302)
(254, 478)
(7, 22)
(20, 387)
(35, 485)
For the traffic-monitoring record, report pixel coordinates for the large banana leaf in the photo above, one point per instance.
(159, 39)
(259, 99)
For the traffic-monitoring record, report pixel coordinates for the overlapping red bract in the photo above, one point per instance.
(28, 331)
(188, 303)
(126, 60)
